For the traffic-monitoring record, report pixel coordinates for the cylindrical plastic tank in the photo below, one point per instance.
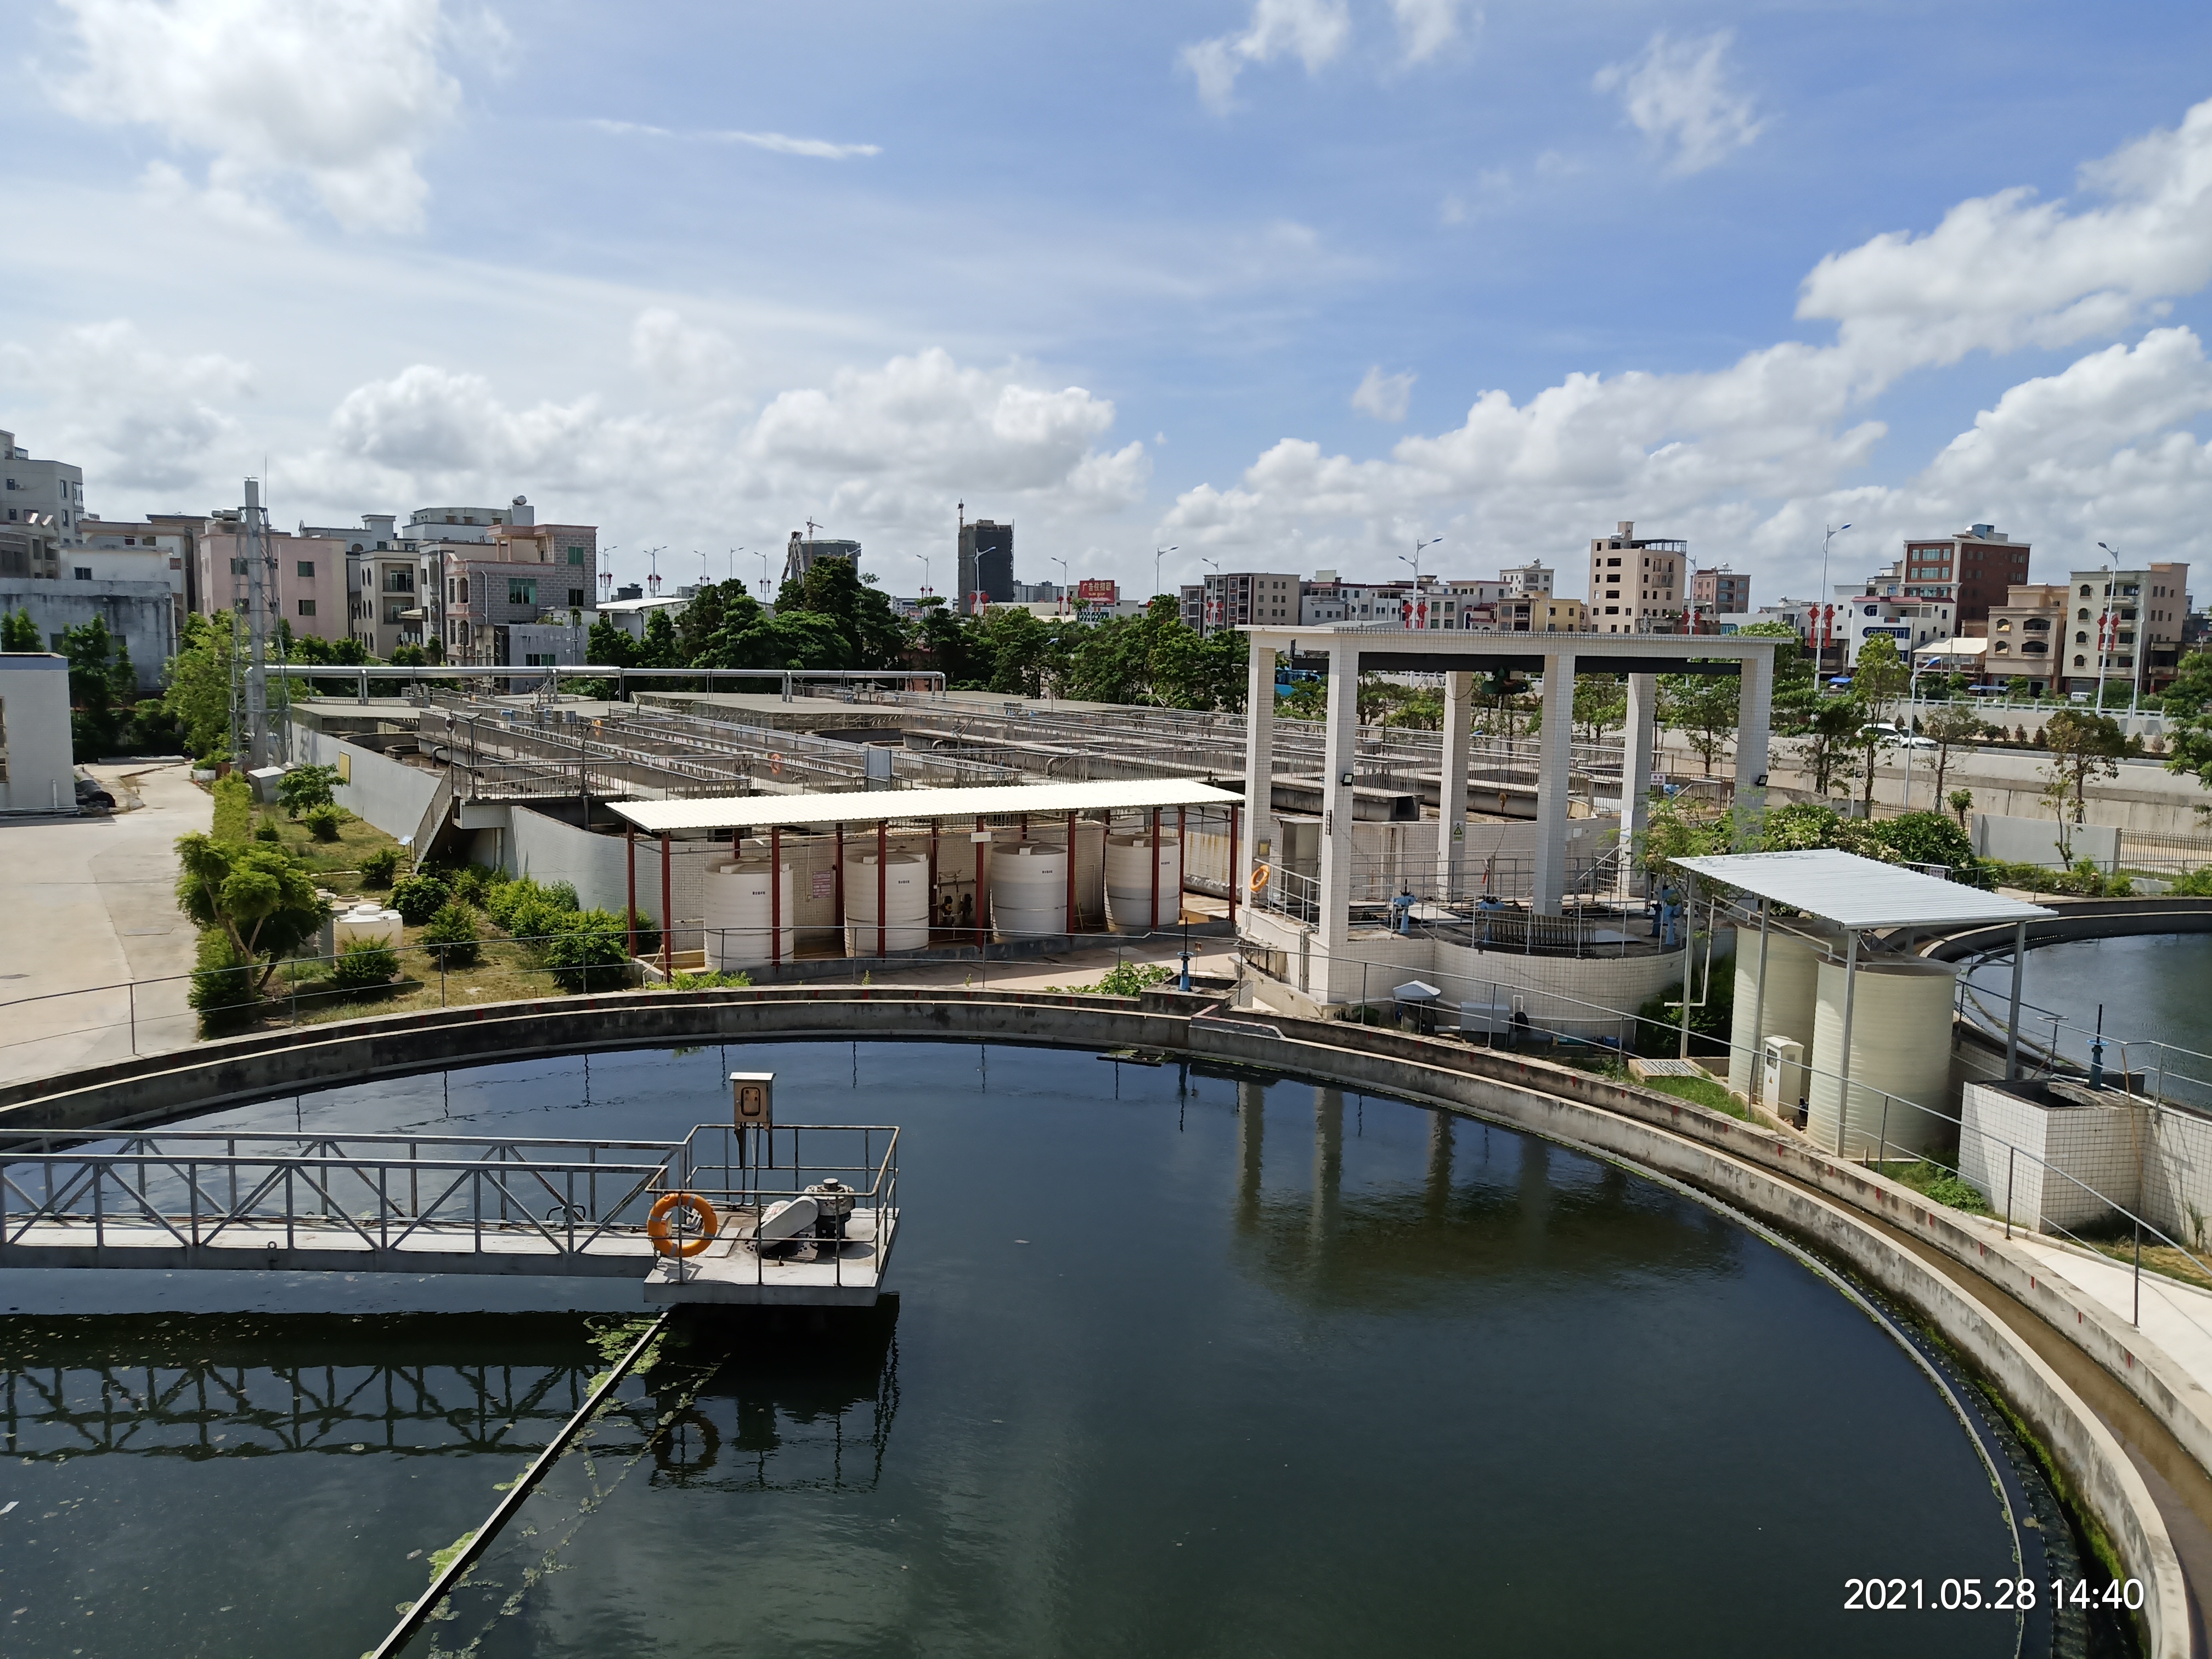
(741, 916)
(1900, 1046)
(1130, 881)
(1793, 979)
(1029, 889)
(906, 902)
(365, 921)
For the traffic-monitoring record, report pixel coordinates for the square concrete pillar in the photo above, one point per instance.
(1339, 765)
(1259, 827)
(1754, 722)
(1451, 784)
(1636, 744)
(1554, 762)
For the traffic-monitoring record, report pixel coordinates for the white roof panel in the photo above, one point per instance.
(867, 807)
(1858, 892)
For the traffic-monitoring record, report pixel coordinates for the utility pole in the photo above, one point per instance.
(1825, 598)
(257, 575)
(1159, 553)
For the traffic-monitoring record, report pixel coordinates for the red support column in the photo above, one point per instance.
(667, 917)
(883, 882)
(1070, 875)
(776, 895)
(1155, 871)
(630, 919)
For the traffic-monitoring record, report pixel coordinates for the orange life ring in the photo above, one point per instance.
(659, 1229)
(1260, 877)
(775, 765)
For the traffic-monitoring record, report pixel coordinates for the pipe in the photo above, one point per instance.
(882, 871)
(630, 915)
(776, 895)
(667, 919)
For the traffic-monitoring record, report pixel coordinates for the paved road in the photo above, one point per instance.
(90, 902)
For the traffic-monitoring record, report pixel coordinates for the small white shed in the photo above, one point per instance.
(37, 771)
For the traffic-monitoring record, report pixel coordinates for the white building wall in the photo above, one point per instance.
(35, 750)
(389, 793)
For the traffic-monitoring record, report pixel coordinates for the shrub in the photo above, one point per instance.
(2197, 883)
(453, 930)
(471, 883)
(562, 896)
(233, 808)
(714, 982)
(529, 911)
(419, 897)
(649, 934)
(323, 821)
(267, 832)
(364, 964)
(378, 866)
(223, 982)
(305, 787)
(584, 951)
(1659, 1026)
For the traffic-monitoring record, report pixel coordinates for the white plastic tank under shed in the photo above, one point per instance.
(740, 915)
(1793, 982)
(1129, 885)
(1029, 889)
(1900, 1046)
(906, 902)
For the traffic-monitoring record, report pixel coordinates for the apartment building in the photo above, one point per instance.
(1636, 584)
(117, 551)
(307, 576)
(40, 495)
(1531, 580)
(1536, 614)
(1909, 622)
(1972, 571)
(1720, 591)
(2027, 635)
(2126, 628)
(1241, 598)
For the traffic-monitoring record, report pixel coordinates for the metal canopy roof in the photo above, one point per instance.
(867, 807)
(1858, 892)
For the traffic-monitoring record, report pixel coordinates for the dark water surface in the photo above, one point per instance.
(1176, 1364)
(2155, 989)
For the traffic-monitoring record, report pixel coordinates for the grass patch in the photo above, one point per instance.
(1933, 1181)
(2157, 1258)
(325, 859)
(1704, 1091)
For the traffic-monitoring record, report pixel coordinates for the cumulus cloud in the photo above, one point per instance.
(1754, 455)
(1312, 31)
(339, 95)
(1677, 93)
(431, 423)
(684, 356)
(133, 413)
(1383, 396)
(1425, 28)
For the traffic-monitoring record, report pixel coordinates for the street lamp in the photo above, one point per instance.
(924, 557)
(1416, 562)
(764, 586)
(1159, 553)
(2135, 653)
(1825, 598)
(1061, 610)
(1204, 597)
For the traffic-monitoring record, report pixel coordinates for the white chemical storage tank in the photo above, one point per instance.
(906, 902)
(1900, 1045)
(1130, 881)
(366, 921)
(740, 913)
(1029, 889)
(1793, 980)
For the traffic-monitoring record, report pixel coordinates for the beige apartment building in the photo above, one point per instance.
(1636, 584)
(2136, 616)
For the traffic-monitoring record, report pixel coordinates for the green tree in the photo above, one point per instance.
(874, 634)
(1828, 746)
(1873, 738)
(19, 633)
(2190, 695)
(1879, 673)
(610, 645)
(2083, 745)
(1155, 659)
(1948, 727)
(1703, 707)
(197, 695)
(304, 787)
(661, 648)
(103, 689)
(1961, 802)
(1601, 705)
(252, 893)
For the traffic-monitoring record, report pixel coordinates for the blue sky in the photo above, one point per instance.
(699, 272)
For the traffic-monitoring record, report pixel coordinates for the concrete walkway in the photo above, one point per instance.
(2177, 1317)
(88, 902)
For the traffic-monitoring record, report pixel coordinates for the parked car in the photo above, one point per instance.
(1890, 732)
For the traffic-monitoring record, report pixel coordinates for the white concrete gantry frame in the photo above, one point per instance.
(1459, 657)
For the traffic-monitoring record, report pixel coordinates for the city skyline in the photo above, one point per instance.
(1290, 286)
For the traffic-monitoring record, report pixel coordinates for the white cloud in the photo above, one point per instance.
(133, 414)
(1312, 31)
(1427, 27)
(1677, 93)
(1383, 396)
(342, 95)
(432, 424)
(684, 356)
(1753, 456)
(780, 143)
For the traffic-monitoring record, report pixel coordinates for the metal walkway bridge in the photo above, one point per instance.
(459, 1204)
